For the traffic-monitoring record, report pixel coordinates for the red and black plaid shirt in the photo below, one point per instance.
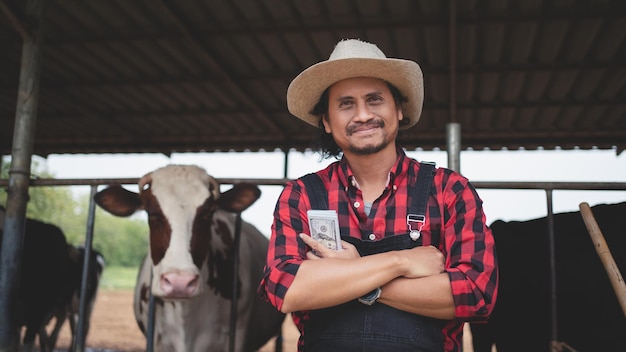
(454, 212)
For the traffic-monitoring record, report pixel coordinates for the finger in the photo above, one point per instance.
(307, 239)
(311, 255)
(310, 241)
(347, 245)
(315, 246)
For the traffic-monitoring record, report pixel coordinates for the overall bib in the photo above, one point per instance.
(354, 326)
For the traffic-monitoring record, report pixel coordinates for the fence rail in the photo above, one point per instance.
(583, 186)
(548, 187)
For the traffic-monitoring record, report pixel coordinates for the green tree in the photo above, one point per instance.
(122, 242)
(48, 204)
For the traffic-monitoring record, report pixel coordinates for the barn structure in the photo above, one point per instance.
(164, 76)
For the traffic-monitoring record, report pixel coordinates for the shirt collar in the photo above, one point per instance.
(347, 179)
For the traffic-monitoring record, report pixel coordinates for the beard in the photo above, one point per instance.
(368, 149)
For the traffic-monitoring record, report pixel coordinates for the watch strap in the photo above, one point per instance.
(371, 297)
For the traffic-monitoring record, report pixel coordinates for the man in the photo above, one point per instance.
(400, 282)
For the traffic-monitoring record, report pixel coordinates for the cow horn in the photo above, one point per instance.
(146, 180)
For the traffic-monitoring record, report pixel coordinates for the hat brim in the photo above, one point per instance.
(306, 89)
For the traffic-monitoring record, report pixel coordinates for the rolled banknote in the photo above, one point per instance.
(324, 227)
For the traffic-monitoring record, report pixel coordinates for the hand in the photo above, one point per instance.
(423, 261)
(348, 251)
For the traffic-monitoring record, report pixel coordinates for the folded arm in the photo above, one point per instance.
(330, 277)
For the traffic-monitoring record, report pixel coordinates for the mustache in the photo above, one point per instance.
(356, 126)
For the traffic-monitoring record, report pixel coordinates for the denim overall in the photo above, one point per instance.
(354, 326)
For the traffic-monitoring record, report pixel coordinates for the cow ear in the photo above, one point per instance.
(239, 198)
(118, 201)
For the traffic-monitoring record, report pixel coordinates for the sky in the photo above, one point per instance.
(504, 165)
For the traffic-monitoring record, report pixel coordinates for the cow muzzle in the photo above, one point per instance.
(179, 285)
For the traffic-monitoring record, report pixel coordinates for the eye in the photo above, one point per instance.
(375, 98)
(343, 104)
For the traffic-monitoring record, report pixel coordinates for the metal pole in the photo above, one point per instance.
(81, 331)
(286, 164)
(453, 135)
(554, 344)
(278, 342)
(540, 185)
(235, 298)
(151, 314)
(19, 177)
(452, 67)
(453, 129)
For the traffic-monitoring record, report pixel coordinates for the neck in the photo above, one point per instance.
(372, 171)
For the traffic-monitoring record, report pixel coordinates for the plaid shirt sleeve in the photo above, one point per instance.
(469, 247)
(286, 251)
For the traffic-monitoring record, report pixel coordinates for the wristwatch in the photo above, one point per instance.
(371, 297)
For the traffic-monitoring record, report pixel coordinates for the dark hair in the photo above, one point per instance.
(326, 145)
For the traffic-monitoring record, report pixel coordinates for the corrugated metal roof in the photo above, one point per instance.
(205, 75)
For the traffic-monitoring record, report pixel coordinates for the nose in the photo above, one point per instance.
(179, 284)
(362, 112)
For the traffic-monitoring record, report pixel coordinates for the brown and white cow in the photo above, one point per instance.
(191, 259)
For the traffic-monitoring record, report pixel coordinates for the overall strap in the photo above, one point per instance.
(416, 217)
(318, 194)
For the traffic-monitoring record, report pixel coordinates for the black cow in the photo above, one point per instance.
(589, 316)
(45, 277)
(49, 283)
(71, 310)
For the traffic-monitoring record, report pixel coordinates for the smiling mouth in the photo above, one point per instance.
(364, 126)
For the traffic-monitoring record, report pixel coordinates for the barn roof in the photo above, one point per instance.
(169, 76)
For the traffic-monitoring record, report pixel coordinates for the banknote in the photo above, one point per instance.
(324, 227)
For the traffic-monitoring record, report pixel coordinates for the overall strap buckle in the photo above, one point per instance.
(419, 221)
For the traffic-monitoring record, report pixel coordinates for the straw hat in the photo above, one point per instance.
(355, 58)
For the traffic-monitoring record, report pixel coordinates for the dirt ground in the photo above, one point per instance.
(113, 327)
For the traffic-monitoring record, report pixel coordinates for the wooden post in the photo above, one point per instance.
(605, 254)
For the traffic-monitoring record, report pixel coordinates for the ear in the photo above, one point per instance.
(239, 198)
(118, 201)
(324, 120)
(399, 114)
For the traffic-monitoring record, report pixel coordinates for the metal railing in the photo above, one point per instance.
(548, 187)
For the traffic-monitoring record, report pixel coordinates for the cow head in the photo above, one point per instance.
(181, 202)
